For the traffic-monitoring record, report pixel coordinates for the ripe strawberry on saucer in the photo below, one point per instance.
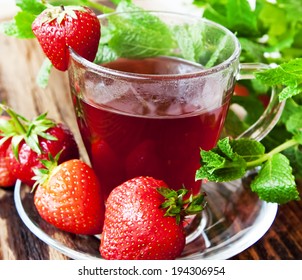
(144, 220)
(69, 196)
(57, 28)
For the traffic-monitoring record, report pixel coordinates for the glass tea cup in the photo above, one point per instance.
(150, 116)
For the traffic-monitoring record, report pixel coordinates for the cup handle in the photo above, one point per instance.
(273, 111)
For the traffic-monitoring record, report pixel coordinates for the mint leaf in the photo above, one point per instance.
(236, 15)
(275, 182)
(44, 73)
(251, 50)
(274, 20)
(234, 125)
(9, 28)
(241, 18)
(31, 6)
(215, 11)
(292, 8)
(290, 91)
(294, 123)
(190, 41)
(288, 74)
(291, 107)
(221, 163)
(24, 21)
(20, 27)
(248, 149)
(105, 54)
(294, 154)
(132, 37)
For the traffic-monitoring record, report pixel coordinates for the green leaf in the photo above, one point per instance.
(275, 182)
(290, 91)
(32, 6)
(292, 9)
(190, 41)
(105, 54)
(44, 73)
(251, 50)
(15, 145)
(294, 123)
(22, 28)
(233, 126)
(214, 59)
(240, 17)
(221, 163)
(288, 74)
(9, 28)
(291, 107)
(132, 37)
(274, 19)
(248, 149)
(294, 155)
(217, 13)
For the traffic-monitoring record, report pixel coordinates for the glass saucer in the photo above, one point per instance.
(234, 219)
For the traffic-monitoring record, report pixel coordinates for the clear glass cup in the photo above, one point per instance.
(150, 116)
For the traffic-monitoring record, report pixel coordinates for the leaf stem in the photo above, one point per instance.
(278, 149)
(14, 116)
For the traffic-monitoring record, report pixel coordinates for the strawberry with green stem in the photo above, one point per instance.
(59, 28)
(144, 219)
(7, 179)
(34, 140)
(69, 196)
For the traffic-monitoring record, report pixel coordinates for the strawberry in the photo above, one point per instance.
(69, 196)
(58, 28)
(32, 141)
(137, 224)
(7, 179)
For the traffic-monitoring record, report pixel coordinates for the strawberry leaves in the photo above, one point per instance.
(42, 174)
(21, 128)
(177, 206)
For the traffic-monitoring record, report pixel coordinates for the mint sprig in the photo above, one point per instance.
(231, 159)
(130, 35)
(289, 74)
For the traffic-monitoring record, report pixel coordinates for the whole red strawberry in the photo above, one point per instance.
(137, 224)
(69, 197)
(58, 28)
(7, 179)
(32, 141)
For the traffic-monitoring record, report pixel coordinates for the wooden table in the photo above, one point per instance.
(19, 64)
